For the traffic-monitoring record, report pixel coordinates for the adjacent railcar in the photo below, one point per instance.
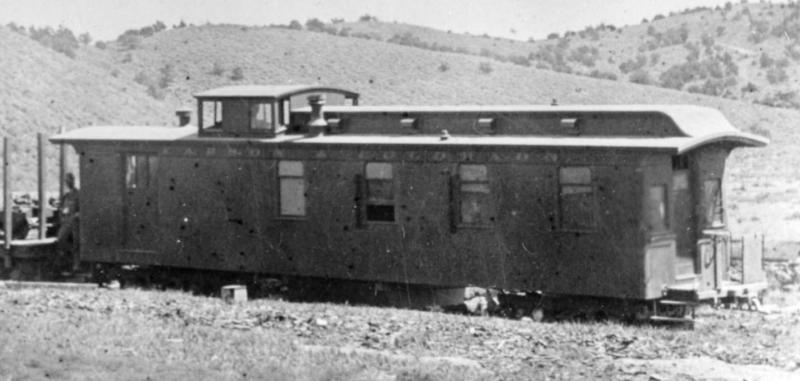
(604, 201)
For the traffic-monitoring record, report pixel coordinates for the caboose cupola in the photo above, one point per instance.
(257, 111)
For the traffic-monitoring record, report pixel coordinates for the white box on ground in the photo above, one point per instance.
(234, 293)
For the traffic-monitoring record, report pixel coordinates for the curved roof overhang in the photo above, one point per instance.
(734, 139)
(276, 92)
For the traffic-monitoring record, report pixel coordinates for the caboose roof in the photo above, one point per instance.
(188, 135)
(271, 91)
(693, 121)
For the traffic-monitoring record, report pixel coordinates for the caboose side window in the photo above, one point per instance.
(140, 171)
(261, 116)
(211, 114)
(285, 112)
(474, 199)
(576, 198)
(292, 188)
(380, 192)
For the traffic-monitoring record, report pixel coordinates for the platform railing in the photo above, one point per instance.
(747, 258)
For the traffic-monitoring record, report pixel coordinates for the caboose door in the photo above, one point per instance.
(684, 226)
(140, 204)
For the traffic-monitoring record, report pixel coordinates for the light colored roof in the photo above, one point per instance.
(674, 145)
(695, 121)
(274, 91)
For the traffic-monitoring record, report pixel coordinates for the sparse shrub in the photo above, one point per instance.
(367, 18)
(631, 65)
(485, 67)
(444, 66)
(655, 58)
(713, 87)
(167, 74)
(100, 45)
(237, 74)
(85, 38)
(552, 36)
(61, 40)
(518, 60)
(345, 32)
(127, 58)
(155, 92)
(294, 24)
(603, 75)
(707, 40)
(115, 73)
(792, 52)
(217, 69)
(141, 78)
(758, 31)
(315, 25)
(658, 17)
(585, 55)
(641, 77)
(765, 60)
(129, 41)
(776, 75)
(17, 28)
(749, 88)
(720, 31)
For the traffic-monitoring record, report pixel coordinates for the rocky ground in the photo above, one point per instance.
(136, 334)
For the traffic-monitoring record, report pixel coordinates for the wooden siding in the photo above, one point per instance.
(221, 213)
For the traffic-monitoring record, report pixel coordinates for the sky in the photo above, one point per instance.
(518, 19)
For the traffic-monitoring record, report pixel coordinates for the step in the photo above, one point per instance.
(670, 319)
(671, 302)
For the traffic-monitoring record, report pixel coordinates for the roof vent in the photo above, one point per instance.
(410, 123)
(184, 115)
(317, 123)
(569, 122)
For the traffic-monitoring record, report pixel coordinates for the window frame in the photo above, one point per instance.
(371, 200)
(216, 115)
(255, 107)
(291, 176)
(131, 181)
(666, 225)
(488, 203)
(714, 205)
(591, 186)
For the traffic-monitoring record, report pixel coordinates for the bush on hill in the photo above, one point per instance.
(237, 74)
(167, 74)
(631, 65)
(603, 75)
(100, 45)
(776, 75)
(129, 41)
(585, 55)
(485, 67)
(641, 77)
(61, 40)
(759, 31)
(217, 69)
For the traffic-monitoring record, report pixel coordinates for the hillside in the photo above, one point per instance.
(164, 70)
(42, 91)
(741, 51)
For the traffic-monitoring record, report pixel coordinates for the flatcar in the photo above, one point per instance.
(620, 203)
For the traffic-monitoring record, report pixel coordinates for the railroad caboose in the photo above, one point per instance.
(619, 202)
